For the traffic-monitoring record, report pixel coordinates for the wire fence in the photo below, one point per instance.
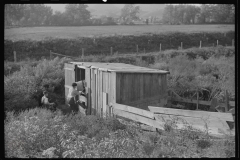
(131, 50)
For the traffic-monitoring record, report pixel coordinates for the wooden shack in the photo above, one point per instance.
(108, 83)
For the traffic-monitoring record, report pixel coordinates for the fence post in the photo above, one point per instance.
(233, 42)
(217, 42)
(181, 45)
(144, 50)
(50, 54)
(200, 44)
(197, 98)
(160, 47)
(15, 56)
(226, 101)
(83, 53)
(137, 48)
(111, 50)
(171, 96)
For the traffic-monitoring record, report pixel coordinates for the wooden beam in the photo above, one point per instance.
(104, 104)
(179, 99)
(197, 99)
(226, 101)
(108, 92)
(232, 103)
(148, 99)
(101, 93)
(147, 128)
(133, 110)
(196, 122)
(190, 101)
(138, 118)
(98, 92)
(139, 71)
(113, 89)
(190, 113)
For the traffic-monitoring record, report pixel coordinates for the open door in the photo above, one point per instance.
(88, 89)
(84, 73)
(69, 77)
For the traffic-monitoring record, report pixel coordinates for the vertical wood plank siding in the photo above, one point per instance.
(100, 93)
(139, 86)
(68, 77)
(108, 91)
(88, 81)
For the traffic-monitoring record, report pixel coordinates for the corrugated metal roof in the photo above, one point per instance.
(119, 67)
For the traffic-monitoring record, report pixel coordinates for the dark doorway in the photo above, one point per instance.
(80, 74)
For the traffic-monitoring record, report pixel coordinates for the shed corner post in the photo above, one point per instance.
(226, 101)
(113, 90)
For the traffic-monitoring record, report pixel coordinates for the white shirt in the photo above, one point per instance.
(44, 100)
(69, 96)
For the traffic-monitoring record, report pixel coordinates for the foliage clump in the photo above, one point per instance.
(22, 87)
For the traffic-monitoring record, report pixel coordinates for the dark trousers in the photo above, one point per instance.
(73, 105)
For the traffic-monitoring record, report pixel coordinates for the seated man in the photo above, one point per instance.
(45, 102)
(39, 93)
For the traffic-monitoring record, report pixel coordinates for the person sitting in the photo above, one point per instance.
(45, 102)
(40, 94)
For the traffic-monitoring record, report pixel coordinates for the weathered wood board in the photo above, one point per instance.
(214, 122)
(138, 118)
(134, 110)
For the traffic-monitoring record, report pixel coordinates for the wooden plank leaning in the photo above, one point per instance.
(190, 113)
(138, 118)
(215, 122)
(134, 110)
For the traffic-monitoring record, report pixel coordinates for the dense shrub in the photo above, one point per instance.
(202, 143)
(32, 131)
(121, 44)
(211, 76)
(21, 86)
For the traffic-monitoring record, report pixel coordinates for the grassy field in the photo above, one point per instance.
(39, 33)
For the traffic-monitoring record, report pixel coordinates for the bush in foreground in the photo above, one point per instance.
(39, 133)
(20, 87)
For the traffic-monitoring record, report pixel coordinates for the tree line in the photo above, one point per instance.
(77, 15)
(206, 13)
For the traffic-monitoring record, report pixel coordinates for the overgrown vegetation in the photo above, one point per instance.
(39, 133)
(21, 87)
(36, 132)
(210, 73)
(211, 70)
(120, 44)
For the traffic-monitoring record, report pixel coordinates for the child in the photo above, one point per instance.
(45, 101)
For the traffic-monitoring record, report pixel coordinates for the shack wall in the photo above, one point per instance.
(102, 91)
(69, 78)
(140, 89)
(105, 87)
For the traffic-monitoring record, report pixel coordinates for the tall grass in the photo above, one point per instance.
(33, 133)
